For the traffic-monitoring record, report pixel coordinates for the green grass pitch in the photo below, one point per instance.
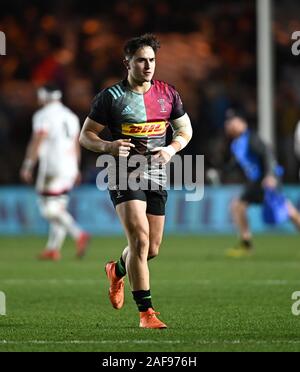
(209, 302)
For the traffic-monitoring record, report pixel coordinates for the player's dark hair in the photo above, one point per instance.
(136, 43)
(233, 113)
(50, 87)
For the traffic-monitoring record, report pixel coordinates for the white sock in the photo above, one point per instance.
(70, 225)
(56, 237)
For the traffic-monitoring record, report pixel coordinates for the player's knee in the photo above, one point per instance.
(140, 243)
(153, 249)
(139, 235)
(152, 254)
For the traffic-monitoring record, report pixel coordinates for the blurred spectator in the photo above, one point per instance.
(77, 45)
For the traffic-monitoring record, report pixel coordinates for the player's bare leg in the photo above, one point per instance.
(130, 214)
(133, 217)
(117, 270)
(148, 318)
(156, 229)
(239, 216)
(294, 214)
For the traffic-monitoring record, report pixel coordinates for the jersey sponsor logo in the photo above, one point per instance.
(157, 128)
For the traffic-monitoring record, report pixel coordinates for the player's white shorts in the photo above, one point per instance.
(51, 206)
(47, 185)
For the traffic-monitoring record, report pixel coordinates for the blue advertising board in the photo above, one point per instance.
(19, 213)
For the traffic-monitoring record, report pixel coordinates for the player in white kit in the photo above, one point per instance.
(54, 144)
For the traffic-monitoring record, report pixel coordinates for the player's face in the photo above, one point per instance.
(235, 127)
(41, 97)
(141, 66)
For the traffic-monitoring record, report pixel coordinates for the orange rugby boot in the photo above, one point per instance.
(116, 289)
(49, 255)
(148, 319)
(82, 244)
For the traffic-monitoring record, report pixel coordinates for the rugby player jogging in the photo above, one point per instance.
(258, 164)
(54, 145)
(138, 111)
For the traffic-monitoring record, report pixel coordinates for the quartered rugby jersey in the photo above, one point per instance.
(142, 117)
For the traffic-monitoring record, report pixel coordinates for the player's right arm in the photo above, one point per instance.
(31, 157)
(89, 139)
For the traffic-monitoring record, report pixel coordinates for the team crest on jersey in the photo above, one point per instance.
(144, 129)
(162, 103)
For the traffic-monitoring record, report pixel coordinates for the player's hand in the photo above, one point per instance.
(121, 147)
(270, 182)
(26, 175)
(162, 156)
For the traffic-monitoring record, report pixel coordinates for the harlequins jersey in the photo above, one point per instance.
(142, 117)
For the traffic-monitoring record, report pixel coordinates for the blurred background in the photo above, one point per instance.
(209, 52)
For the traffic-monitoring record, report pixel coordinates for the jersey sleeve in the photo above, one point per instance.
(40, 124)
(101, 108)
(177, 105)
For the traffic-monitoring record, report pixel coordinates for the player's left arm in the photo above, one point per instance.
(182, 134)
(31, 157)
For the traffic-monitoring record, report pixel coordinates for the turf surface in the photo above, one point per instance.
(209, 302)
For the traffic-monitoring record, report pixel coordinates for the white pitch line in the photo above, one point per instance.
(194, 342)
(51, 281)
(15, 281)
(87, 342)
(65, 281)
